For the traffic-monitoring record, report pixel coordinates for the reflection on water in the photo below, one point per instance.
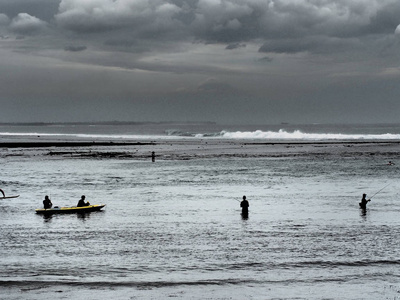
(363, 213)
(83, 216)
(244, 215)
(80, 215)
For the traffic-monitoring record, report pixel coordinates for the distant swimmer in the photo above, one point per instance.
(47, 202)
(390, 163)
(82, 202)
(364, 201)
(245, 207)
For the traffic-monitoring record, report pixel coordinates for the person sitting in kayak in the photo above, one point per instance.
(82, 202)
(364, 201)
(47, 202)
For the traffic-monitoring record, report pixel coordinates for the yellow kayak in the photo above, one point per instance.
(69, 210)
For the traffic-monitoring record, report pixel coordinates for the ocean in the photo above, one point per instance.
(173, 228)
(146, 131)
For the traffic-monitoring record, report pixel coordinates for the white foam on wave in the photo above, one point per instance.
(298, 135)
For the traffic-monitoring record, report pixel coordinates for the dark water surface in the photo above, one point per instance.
(173, 229)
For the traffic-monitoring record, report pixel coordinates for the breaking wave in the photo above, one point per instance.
(280, 135)
(285, 135)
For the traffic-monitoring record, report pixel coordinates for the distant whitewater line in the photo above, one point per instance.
(298, 135)
(237, 135)
(285, 135)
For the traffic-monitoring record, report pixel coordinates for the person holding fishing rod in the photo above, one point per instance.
(364, 201)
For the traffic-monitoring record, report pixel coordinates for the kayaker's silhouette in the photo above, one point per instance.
(82, 202)
(47, 202)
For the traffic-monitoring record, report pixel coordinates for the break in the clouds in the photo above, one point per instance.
(279, 60)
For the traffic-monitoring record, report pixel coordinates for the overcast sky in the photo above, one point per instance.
(229, 61)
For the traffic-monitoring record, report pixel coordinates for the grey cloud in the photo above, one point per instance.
(291, 19)
(215, 85)
(316, 45)
(235, 46)
(27, 24)
(229, 21)
(98, 16)
(385, 19)
(124, 42)
(75, 48)
(42, 9)
(4, 19)
(266, 59)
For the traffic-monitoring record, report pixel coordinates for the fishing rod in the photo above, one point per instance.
(379, 191)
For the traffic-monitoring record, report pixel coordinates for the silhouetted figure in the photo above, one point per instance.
(153, 156)
(47, 202)
(82, 202)
(364, 201)
(2, 192)
(245, 207)
(390, 163)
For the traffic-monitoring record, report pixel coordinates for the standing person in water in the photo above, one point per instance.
(47, 202)
(364, 201)
(82, 202)
(245, 207)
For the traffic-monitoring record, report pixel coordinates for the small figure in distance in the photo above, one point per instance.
(390, 163)
(2, 192)
(364, 201)
(82, 202)
(245, 207)
(153, 156)
(47, 202)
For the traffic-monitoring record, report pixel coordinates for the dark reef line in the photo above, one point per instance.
(69, 144)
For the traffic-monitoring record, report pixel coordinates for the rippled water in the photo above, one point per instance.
(173, 228)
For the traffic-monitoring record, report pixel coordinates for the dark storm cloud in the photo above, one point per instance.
(285, 52)
(140, 17)
(232, 22)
